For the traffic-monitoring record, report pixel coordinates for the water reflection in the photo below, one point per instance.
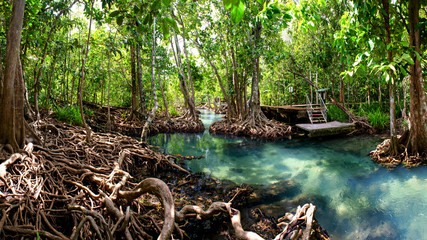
(356, 199)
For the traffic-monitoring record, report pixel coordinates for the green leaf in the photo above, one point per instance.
(287, 16)
(119, 20)
(407, 58)
(166, 2)
(165, 30)
(148, 19)
(418, 56)
(419, 25)
(172, 23)
(404, 43)
(237, 12)
(114, 14)
(403, 70)
(227, 4)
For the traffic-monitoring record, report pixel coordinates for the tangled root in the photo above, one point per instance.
(382, 156)
(68, 189)
(268, 129)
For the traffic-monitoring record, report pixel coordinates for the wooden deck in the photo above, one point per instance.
(326, 129)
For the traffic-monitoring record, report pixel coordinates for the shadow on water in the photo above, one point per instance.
(355, 198)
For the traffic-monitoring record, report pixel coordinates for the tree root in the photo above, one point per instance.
(69, 189)
(382, 155)
(265, 129)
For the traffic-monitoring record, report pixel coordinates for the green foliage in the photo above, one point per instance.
(365, 109)
(237, 9)
(378, 119)
(88, 111)
(173, 112)
(336, 114)
(69, 114)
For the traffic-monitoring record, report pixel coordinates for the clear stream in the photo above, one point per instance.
(356, 199)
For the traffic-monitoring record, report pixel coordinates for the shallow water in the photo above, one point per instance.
(356, 199)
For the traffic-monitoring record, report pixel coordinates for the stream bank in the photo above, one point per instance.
(355, 197)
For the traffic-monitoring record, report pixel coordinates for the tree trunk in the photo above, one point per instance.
(191, 108)
(147, 124)
(190, 78)
(49, 85)
(342, 94)
(38, 67)
(82, 78)
(255, 112)
(215, 70)
(418, 107)
(11, 114)
(108, 93)
(133, 80)
(235, 80)
(141, 86)
(394, 147)
(164, 98)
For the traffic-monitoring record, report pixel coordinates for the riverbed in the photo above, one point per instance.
(356, 198)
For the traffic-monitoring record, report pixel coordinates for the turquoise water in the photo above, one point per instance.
(356, 199)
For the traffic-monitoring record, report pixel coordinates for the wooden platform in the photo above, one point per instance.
(326, 129)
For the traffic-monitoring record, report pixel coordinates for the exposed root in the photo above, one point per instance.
(265, 129)
(70, 189)
(119, 122)
(187, 125)
(382, 156)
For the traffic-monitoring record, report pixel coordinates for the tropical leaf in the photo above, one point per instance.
(237, 12)
(115, 13)
(407, 58)
(119, 20)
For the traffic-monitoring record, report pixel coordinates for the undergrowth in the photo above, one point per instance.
(69, 114)
(378, 119)
(336, 114)
(377, 114)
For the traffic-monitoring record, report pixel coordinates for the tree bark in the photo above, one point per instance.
(418, 107)
(141, 86)
(191, 108)
(215, 70)
(190, 78)
(147, 124)
(165, 102)
(11, 119)
(254, 102)
(49, 85)
(133, 83)
(394, 147)
(81, 80)
(108, 92)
